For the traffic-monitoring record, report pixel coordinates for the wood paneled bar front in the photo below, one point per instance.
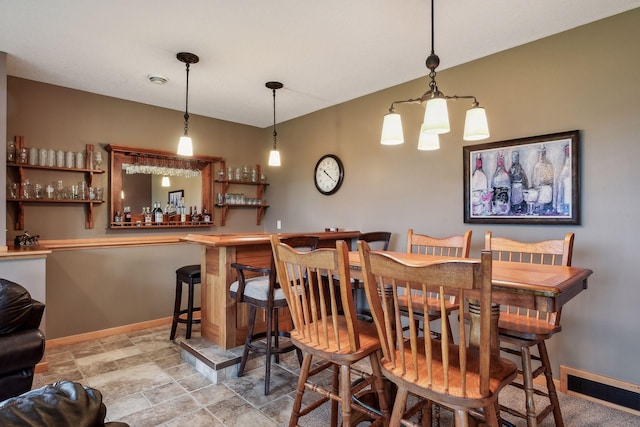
(223, 322)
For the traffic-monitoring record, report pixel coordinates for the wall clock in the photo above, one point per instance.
(328, 174)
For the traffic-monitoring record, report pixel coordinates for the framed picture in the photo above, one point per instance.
(532, 180)
(175, 196)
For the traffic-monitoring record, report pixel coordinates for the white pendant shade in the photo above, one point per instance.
(428, 141)
(475, 125)
(392, 130)
(436, 116)
(185, 147)
(165, 181)
(274, 158)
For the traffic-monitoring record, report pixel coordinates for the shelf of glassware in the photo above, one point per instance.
(20, 179)
(20, 201)
(224, 183)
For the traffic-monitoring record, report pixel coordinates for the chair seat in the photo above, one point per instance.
(502, 372)
(256, 290)
(432, 302)
(525, 327)
(189, 271)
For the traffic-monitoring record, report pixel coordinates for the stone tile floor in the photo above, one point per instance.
(145, 382)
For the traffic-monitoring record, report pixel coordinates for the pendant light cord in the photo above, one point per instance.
(433, 51)
(275, 134)
(186, 107)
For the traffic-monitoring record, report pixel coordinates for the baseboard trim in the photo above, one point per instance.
(73, 339)
(566, 371)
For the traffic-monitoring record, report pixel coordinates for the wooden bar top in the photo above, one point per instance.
(24, 252)
(242, 239)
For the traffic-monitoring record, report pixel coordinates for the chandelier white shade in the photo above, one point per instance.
(185, 146)
(436, 115)
(428, 141)
(165, 181)
(274, 158)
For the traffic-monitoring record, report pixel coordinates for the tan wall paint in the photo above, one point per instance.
(583, 79)
(98, 289)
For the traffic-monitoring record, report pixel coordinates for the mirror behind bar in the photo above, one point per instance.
(143, 168)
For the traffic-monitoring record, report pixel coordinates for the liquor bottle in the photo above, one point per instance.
(157, 213)
(563, 197)
(519, 183)
(542, 181)
(127, 214)
(501, 185)
(148, 218)
(479, 189)
(11, 152)
(205, 215)
(182, 210)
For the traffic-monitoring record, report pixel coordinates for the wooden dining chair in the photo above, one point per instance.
(378, 241)
(452, 246)
(258, 287)
(524, 328)
(458, 376)
(308, 281)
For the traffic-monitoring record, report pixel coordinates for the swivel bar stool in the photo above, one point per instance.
(189, 274)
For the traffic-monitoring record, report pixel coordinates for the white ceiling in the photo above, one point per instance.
(325, 52)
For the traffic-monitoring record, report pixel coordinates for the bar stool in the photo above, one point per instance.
(189, 274)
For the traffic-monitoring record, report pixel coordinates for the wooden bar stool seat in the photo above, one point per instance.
(189, 275)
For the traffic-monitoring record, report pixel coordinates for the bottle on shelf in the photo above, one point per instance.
(206, 217)
(127, 214)
(542, 180)
(501, 185)
(148, 218)
(519, 183)
(563, 197)
(479, 189)
(11, 151)
(157, 215)
(182, 210)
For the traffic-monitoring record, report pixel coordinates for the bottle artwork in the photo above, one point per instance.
(519, 183)
(563, 198)
(479, 190)
(501, 185)
(542, 181)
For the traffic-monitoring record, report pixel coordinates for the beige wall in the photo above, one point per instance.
(98, 289)
(583, 79)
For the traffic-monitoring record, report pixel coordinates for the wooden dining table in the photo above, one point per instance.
(534, 286)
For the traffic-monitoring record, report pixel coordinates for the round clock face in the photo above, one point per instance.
(328, 174)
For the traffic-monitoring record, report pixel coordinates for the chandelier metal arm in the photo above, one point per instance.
(429, 95)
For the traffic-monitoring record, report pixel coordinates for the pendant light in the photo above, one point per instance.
(436, 116)
(185, 146)
(166, 182)
(274, 155)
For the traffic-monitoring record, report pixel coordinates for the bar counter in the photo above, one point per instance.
(224, 323)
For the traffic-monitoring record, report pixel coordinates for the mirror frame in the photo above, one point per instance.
(121, 154)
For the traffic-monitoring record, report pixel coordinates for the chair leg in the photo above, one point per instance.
(247, 341)
(399, 406)
(378, 383)
(335, 381)
(276, 333)
(345, 394)
(190, 310)
(297, 404)
(527, 380)
(491, 415)
(551, 388)
(176, 309)
(267, 362)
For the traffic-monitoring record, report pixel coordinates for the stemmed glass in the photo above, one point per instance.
(97, 160)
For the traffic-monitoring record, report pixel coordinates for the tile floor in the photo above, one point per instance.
(145, 382)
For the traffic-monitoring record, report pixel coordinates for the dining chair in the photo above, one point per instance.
(459, 376)
(337, 338)
(523, 328)
(262, 291)
(452, 246)
(378, 241)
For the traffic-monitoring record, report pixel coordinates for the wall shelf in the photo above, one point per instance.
(225, 184)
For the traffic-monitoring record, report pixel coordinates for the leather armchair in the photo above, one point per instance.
(21, 342)
(62, 404)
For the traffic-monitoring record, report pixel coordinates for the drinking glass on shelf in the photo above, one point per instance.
(97, 160)
(50, 191)
(98, 191)
(37, 191)
(13, 190)
(26, 189)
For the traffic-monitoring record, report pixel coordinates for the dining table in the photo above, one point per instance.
(534, 286)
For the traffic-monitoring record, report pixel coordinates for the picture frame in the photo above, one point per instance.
(175, 196)
(532, 180)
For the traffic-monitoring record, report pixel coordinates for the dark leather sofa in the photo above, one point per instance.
(21, 342)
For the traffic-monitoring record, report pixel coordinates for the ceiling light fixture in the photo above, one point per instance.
(436, 116)
(165, 181)
(274, 155)
(185, 146)
(159, 80)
